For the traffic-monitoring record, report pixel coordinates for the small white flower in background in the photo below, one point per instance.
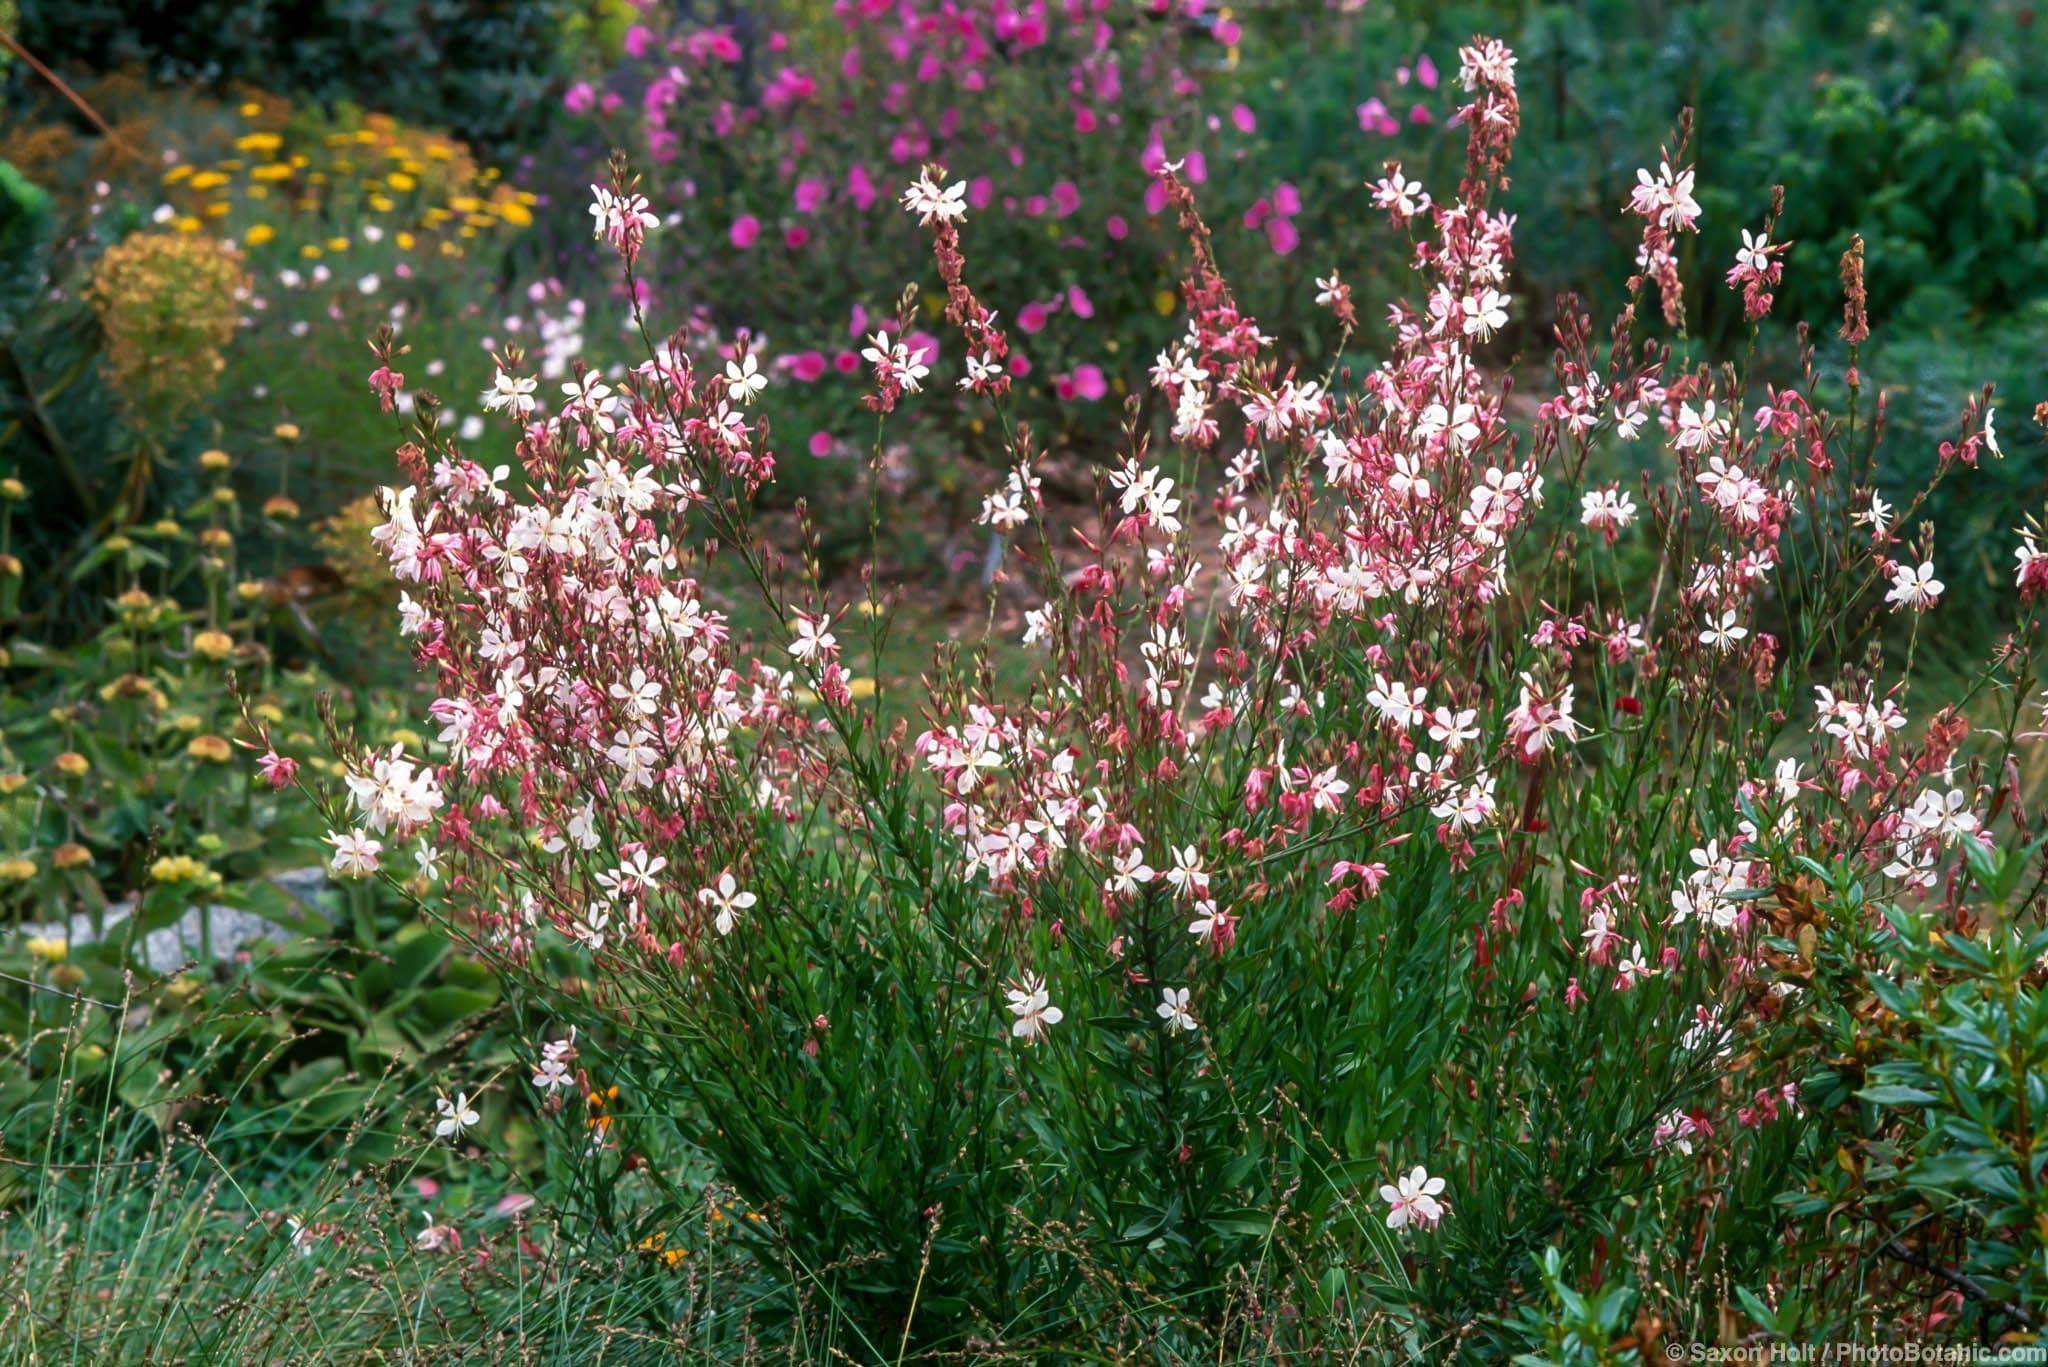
(728, 900)
(456, 1116)
(925, 199)
(1413, 1201)
(369, 284)
(590, 930)
(1173, 1009)
(744, 378)
(434, 1237)
(429, 861)
(1033, 1008)
(355, 854)
(1991, 436)
(1914, 588)
(1328, 291)
(471, 428)
(302, 1236)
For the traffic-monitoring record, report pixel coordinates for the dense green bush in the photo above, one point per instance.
(485, 68)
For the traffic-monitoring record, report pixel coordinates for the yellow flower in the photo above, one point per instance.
(213, 645)
(176, 174)
(176, 868)
(17, 870)
(70, 855)
(259, 234)
(337, 244)
(860, 688)
(10, 784)
(258, 142)
(249, 590)
(270, 712)
(271, 171)
(405, 242)
(187, 224)
(286, 431)
(218, 209)
(515, 213)
(401, 181)
(224, 495)
(13, 489)
(210, 750)
(187, 722)
(1165, 302)
(280, 509)
(249, 109)
(215, 461)
(10, 566)
(310, 251)
(217, 538)
(71, 764)
(383, 204)
(47, 948)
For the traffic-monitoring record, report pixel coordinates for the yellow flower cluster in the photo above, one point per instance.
(345, 187)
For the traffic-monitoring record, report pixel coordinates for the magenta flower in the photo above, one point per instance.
(1242, 119)
(746, 230)
(860, 187)
(580, 98)
(1089, 383)
(811, 194)
(1425, 72)
(1116, 228)
(980, 191)
(1284, 236)
(1066, 197)
(821, 442)
(1032, 317)
(808, 366)
(1078, 301)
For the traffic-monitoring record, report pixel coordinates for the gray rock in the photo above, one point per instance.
(222, 929)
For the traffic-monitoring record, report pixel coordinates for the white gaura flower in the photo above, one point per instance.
(456, 1116)
(1173, 1009)
(727, 901)
(1414, 1200)
(1724, 635)
(1914, 588)
(1033, 1008)
(925, 199)
(355, 854)
(744, 378)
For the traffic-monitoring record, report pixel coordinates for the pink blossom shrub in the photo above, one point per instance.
(1055, 116)
(1385, 881)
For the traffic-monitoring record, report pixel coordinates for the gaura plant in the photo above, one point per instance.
(1365, 907)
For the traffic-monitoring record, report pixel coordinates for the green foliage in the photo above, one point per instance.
(1929, 1088)
(484, 69)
